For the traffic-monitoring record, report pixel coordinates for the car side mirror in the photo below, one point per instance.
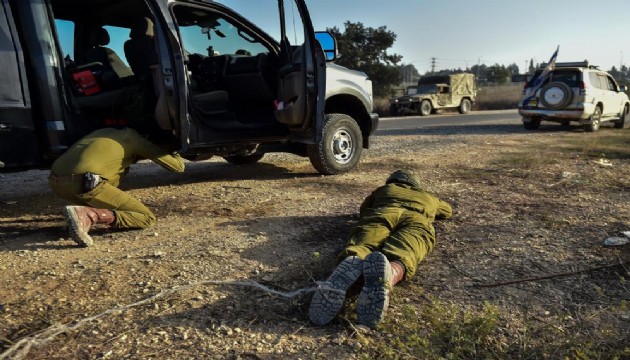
(623, 88)
(328, 43)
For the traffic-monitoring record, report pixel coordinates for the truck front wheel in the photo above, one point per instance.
(424, 108)
(464, 106)
(340, 149)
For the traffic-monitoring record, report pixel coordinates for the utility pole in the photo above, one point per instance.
(433, 65)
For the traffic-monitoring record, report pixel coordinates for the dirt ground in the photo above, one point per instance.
(531, 213)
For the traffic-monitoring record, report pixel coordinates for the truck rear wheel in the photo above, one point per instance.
(464, 106)
(340, 149)
(424, 108)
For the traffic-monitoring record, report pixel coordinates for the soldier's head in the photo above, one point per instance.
(404, 177)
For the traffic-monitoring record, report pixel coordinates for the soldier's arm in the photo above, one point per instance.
(366, 203)
(149, 150)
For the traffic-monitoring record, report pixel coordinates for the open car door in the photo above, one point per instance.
(301, 75)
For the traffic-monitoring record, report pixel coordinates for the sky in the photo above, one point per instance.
(461, 33)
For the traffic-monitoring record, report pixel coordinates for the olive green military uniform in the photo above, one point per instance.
(109, 153)
(396, 219)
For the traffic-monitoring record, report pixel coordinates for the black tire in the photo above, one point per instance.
(532, 124)
(464, 106)
(556, 95)
(424, 108)
(341, 146)
(244, 159)
(621, 123)
(596, 120)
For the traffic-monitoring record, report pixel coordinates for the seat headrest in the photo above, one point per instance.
(100, 37)
(142, 27)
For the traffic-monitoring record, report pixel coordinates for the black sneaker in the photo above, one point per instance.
(331, 294)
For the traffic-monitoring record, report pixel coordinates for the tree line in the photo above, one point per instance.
(367, 49)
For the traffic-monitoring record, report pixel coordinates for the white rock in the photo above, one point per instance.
(616, 241)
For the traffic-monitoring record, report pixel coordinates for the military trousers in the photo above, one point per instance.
(130, 213)
(400, 234)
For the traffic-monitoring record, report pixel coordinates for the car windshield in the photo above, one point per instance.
(412, 90)
(426, 89)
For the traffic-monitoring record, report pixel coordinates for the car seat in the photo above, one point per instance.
(104, 55)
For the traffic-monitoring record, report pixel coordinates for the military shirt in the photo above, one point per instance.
(109, 152)
(408, 197)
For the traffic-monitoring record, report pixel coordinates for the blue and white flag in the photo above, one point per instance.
(544, 75)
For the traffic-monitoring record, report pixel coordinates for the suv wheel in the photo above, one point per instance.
(424, 108)
(464, 106)
(532, 124)
(596, 119)
(620, 124)
(340, 149)
(556, 95)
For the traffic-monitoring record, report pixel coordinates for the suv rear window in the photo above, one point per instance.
(569, 77)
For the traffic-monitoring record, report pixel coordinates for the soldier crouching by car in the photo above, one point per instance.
(89, 173)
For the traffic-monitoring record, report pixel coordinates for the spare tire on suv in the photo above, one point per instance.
(556, 95)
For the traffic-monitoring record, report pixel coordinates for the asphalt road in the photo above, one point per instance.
(451, 120)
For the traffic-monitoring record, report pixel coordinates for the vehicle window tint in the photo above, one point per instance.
(65, 32)
(611, 84)
(570, 78)
(207, 34)
(603, 81)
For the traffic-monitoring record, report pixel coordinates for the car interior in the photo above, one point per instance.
(232, 72)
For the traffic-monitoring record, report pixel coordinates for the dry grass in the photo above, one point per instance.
(498, 97)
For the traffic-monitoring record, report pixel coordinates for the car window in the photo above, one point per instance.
(611, 84)
(207, 34)
(603, 82)
(594, 79)
(571, 78)
(65, 32)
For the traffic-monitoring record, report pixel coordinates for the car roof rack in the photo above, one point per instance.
(584, 64)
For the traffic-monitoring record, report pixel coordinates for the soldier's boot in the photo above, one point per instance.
(81, 218)
(380, 276)
(330, 295)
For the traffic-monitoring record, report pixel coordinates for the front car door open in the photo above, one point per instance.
(302, 79)
(290, 93)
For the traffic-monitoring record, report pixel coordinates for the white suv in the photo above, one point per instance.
(578, 92)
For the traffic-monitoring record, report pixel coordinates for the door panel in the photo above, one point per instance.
(302, 74)
(17, 129)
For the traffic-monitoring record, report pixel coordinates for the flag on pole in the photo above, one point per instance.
(544, 75)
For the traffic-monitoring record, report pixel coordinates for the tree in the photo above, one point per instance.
(532, 68)
(365, 49)
(409, 74)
